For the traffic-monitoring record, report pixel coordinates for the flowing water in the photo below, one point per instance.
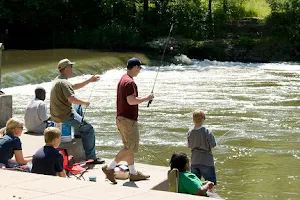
(252, 109)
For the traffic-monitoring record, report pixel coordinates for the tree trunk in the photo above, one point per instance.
(210, 20)
(146, 8)
(225, 7)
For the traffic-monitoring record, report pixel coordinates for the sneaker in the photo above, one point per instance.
(97, 161)
(138, 177)
(110, 174)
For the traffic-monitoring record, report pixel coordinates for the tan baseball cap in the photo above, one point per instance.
(64, 63)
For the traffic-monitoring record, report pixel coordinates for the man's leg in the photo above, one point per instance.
(123, 155)
(125, 129)
(131, 138)
(78, 109)
(86, 130)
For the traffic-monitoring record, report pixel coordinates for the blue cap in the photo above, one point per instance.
(133, 62)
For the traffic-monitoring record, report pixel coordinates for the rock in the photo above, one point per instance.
(183, 59)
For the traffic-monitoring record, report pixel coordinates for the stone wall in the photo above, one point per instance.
(5, 109)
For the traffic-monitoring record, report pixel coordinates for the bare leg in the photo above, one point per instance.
(125, 155)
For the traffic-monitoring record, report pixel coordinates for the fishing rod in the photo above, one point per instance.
(162, 57)
(84, 111)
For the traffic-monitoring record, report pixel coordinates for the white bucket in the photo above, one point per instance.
(66, 135)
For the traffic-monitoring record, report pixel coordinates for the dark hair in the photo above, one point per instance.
(133, 62)
(40, 93)
(179, 160)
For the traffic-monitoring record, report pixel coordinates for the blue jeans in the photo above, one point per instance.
(208, 172)
(86, 131)
(78, 109)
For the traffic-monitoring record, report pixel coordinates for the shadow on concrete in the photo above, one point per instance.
(33, 133)
(130, 184)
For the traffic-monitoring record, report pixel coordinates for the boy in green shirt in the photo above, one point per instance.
(188, 183)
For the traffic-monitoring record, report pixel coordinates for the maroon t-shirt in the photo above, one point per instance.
(126, 87)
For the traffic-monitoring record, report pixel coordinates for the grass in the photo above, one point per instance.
(260, 7)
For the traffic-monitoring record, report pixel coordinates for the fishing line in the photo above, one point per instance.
(84, 111)
(160, 62)
(222, 136)
(151, 152)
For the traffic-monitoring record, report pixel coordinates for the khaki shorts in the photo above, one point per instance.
(129, 133)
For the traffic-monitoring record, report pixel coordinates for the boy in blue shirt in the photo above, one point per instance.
(201, 141)
(47, 160)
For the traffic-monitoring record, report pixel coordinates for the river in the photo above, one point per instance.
(252, 109)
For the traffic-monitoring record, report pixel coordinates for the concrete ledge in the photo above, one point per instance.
(21, 185)
(32, 142)
(75, 149)
(5, 109)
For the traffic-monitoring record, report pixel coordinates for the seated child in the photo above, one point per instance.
(188, 182)
(10, 144)
(201, 142)
(47, 160)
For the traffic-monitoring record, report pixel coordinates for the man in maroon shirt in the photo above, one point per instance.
(127, 115)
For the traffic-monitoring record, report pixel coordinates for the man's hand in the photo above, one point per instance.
(149, 97)
(86, 103)
(94, 78)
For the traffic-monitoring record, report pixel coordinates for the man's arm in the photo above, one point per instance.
(94, 78)
(42, 112)
(74, 100)
(133, 100)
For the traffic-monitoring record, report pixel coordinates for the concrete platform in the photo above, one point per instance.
(5, 109)
(20, 185)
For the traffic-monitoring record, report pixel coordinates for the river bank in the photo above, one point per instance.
(243, 49)
(244, 40)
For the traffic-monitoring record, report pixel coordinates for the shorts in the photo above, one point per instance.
(129, 132)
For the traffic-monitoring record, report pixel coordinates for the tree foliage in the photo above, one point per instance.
(284, 22)
(126, 24)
